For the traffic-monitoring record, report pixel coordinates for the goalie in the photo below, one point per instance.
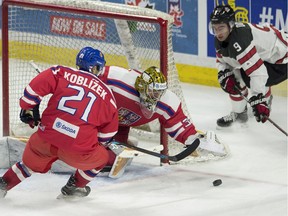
(143, 96)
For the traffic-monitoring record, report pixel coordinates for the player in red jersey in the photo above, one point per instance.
(143, 96)
(248, 56)
(81, 116)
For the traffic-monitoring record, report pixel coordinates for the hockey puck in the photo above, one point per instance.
(217, 182)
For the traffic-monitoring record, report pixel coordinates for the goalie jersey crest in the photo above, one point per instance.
(127, 117)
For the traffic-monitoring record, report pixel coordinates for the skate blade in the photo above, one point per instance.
(69, 198)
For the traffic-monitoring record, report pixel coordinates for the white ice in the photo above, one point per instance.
(254, 175)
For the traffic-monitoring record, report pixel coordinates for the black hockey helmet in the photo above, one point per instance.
(222, 14)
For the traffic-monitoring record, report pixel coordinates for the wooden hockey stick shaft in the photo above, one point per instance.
(268, 119)
(188, 151)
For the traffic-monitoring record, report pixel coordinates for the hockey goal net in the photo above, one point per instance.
(50, 32)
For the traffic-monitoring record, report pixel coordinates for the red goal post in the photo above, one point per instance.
(51, 32)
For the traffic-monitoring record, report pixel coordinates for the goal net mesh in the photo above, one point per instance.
(51, 32)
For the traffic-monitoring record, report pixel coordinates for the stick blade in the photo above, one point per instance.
(188, 151)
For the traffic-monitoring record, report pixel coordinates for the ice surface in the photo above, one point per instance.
(254, 175)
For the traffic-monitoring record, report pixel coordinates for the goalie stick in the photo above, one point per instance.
(190, 148)
(128, 153)
(272, 122)
(188, 151)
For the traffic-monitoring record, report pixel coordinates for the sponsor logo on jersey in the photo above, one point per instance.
(65, 127)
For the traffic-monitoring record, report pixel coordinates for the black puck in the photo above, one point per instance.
(217, 182)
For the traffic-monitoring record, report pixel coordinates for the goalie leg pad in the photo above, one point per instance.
(125, 158)
(120, 163)
(119, 166)
(11, 151)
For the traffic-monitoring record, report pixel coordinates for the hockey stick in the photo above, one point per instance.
(128, 153)
(272, 122)
(37, 69)
(188, 151)
(190, 148)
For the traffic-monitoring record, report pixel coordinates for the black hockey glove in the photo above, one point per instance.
(228, 81)
(31, 117)
(260, 107)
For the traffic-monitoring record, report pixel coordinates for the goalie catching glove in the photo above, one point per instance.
(228, 81)
(209, 144)
(31, 116)
(260, 108)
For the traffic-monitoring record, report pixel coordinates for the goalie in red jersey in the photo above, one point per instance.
(143, 96)
(248, 56)
(81, 117)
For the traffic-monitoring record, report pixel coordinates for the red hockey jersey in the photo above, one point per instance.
(81, 111)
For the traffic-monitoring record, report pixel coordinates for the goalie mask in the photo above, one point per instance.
(90, 60)
(151, 85)
(222, 14)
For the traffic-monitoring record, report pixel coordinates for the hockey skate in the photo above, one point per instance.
(71, 191)
(3, 188)
(228, 120)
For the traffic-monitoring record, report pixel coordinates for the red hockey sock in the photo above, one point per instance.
(80, 180)
(11, 179)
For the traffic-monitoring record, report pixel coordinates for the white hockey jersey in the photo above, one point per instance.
(248, 47)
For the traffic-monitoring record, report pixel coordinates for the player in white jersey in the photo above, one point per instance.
(248, 56)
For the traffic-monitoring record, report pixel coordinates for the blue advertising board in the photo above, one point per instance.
(257, 12)
(185, 26)
(187, 18)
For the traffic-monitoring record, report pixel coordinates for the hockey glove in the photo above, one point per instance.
(209, 144)
(31, 117)
(228, 81)
(260, 108)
